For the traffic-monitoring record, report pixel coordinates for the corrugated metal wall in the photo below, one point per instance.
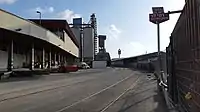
(187, 56)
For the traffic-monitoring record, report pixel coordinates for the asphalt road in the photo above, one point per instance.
(102, 90)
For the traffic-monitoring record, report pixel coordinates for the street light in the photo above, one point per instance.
(40, 15)
(119, 52)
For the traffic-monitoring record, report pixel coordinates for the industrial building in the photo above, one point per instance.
(148, 62)
(102, 55)
(88, 42)
(25, 43)
(86, 34)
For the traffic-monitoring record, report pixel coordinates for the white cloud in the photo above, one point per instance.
(115, 42)
(51, 9)
(133, 48)
(114, 32)
(7, 1)
(68, 15)
(44, 10)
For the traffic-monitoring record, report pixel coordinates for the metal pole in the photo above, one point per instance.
(81, 44)
(159, 54)
(158, 30)
(40, 18)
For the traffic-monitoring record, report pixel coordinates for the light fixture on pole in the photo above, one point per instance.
(119, 52)
(40, 15)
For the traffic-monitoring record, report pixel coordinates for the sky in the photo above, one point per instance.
(125, 22)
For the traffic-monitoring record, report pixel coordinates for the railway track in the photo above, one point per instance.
(35, 90)
(68, 107)
(64, 101)
(39, 89)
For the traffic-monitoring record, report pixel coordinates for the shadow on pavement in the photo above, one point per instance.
(20, 78)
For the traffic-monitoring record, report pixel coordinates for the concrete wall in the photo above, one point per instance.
(76, 32)
(88, 42)
(18, 60)
(99, 64)
(3, 60)
(12, 22)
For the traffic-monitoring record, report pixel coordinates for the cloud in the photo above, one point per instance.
(51, 9)
(115, 42)
(7, 1)
(128, 49)
(44, 10)
(114, 32)
(68, 15)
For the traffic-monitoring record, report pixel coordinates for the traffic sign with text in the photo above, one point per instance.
(158, 18)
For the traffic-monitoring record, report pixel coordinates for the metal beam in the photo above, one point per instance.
(79, 24)
(174, 12)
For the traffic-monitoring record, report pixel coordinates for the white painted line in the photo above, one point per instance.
(77, 102)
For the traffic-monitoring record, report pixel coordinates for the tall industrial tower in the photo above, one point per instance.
(94, 25)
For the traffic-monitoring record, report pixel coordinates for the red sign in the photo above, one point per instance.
(158, 17)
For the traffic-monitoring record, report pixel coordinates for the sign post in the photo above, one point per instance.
(158, 16)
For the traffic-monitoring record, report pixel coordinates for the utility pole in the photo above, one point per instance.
(159, 54)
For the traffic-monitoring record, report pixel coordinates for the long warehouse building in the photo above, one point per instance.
(23, 43)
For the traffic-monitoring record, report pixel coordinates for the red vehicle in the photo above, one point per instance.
(68, 68)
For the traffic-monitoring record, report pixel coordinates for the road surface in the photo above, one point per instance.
(102, 90)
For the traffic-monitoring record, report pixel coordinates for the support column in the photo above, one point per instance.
(43, 58)
(32, 57)
(49, 59)
(65, 59)
(10, 56)
(55, 58)
(59, 59)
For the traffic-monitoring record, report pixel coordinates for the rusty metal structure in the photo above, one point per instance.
(183, 59)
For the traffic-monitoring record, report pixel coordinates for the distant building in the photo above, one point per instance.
(88, 40)
(103, 55)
